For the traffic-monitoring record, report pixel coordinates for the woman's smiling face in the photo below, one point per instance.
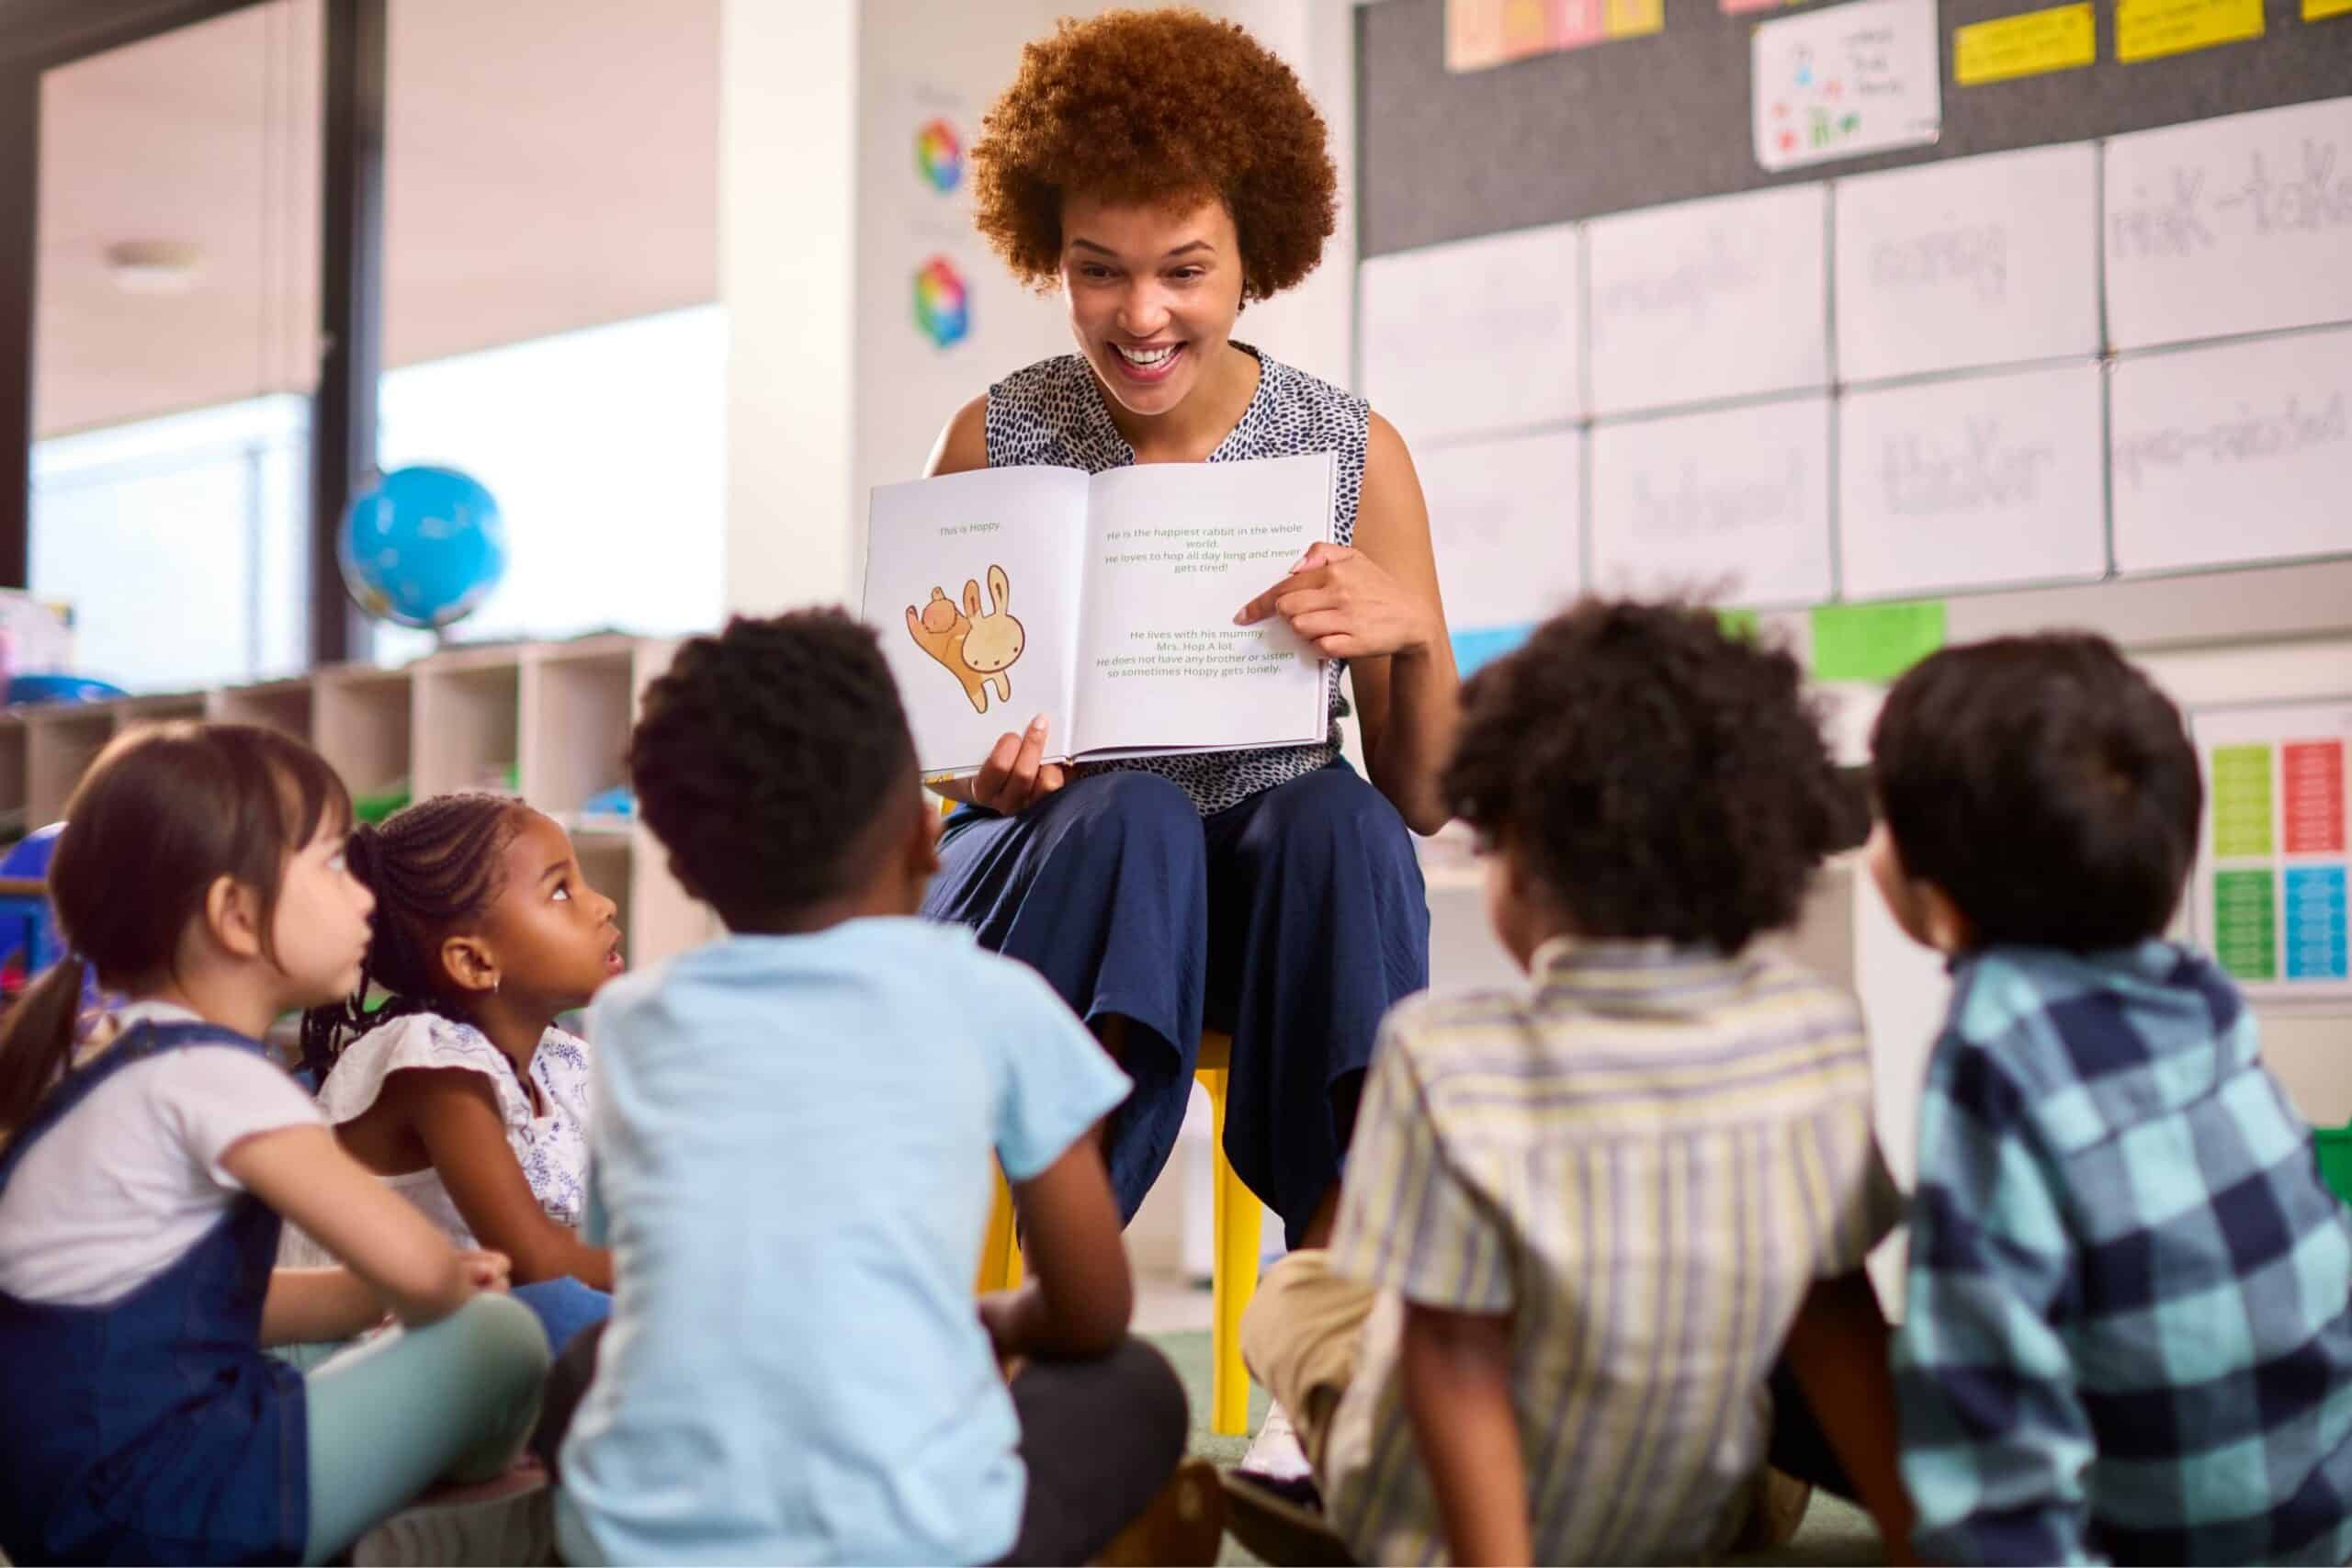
(1153, 294)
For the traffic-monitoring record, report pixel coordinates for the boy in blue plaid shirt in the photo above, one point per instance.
(2126, 1335)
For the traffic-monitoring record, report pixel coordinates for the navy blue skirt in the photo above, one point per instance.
(1291, 922)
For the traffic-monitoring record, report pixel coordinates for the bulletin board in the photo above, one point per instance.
(1641, 122)
(2088, 345)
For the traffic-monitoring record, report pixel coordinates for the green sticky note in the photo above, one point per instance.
(1741, 625)
(1875, 642)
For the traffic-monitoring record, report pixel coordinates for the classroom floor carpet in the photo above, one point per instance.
(1834, 1533)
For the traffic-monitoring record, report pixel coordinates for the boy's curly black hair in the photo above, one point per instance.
(2045, 785)
(764, 754)
(1656, 777)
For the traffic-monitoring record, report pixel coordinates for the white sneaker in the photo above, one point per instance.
(1275, 1453)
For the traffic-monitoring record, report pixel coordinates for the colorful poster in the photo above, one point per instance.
(2063, 38)
(1851, 79)
(2150, 29)
(2270, 895)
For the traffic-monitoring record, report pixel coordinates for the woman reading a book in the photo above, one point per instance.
(1162, 170)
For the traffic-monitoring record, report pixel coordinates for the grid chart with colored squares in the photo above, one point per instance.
(2273, 867)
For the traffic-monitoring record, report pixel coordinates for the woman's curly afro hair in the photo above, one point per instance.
(1160, 107)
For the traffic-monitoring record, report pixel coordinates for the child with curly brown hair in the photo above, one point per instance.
(1583, 1219)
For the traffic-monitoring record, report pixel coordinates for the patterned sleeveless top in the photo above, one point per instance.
(1052, 414)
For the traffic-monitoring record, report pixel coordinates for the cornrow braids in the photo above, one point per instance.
(763, 755)
(433, 868)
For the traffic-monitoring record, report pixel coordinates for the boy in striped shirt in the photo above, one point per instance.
(1582, 1220)
(2126, 1335)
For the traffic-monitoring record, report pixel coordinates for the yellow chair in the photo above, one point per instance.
(1234, 1276)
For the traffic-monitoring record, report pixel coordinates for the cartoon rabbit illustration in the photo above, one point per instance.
(975, 646)
(996, 639)
(941, 630)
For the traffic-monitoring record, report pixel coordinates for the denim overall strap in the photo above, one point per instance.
(153, 1427)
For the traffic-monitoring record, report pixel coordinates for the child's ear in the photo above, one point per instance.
(232, 916)
(469, 963)
(1949, 930)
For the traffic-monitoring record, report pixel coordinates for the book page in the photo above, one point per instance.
(972, 582)
(1175, 549)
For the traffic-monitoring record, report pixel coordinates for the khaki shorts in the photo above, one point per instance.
(1302, 1339)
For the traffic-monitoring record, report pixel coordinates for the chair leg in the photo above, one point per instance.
(1001, 1249)
(1238, 1220)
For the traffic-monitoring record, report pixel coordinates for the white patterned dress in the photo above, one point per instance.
(552, 1148)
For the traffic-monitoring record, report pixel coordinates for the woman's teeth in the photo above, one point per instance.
(1144, 357)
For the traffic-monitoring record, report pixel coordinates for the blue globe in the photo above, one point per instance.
(423, 546)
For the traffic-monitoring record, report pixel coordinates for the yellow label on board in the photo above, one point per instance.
(2060, 39)
(1632, 18)
(2149, 30)
(2320, 10)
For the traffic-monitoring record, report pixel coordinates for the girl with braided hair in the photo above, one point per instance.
(459, 1090)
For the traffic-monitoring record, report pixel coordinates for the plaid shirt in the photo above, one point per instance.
(2126, 1332)
(1645, 1161)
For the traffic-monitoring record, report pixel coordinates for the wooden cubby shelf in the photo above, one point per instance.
(547, 720)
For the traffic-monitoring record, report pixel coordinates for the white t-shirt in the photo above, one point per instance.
(130, 1179)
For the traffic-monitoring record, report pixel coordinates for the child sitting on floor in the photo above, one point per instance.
(459, 1090)
(201, 874)
(2126, 1331)
(1581, 1220)
(792, 1134)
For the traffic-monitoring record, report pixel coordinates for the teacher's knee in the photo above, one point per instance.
(1128, 808)
(1331, 810)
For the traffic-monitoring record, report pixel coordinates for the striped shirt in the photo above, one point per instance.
(2127, 1335)
(1645, 1159)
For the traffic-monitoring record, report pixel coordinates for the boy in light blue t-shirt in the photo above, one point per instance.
(789, 1161)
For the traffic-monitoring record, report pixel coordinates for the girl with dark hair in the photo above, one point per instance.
(459, 1090)
(142, 1188)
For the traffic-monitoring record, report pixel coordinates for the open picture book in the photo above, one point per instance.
(1104, 601)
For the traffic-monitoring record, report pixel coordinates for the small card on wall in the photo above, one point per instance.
(1845, 81)
(2269, 896)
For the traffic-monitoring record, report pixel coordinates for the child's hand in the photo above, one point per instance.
(486, 1270)
(1001, 1313)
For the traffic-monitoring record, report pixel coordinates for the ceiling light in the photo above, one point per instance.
(154, 266)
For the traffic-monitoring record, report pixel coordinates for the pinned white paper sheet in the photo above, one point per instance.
(1703, 300)
(1504, 520)
(1730, 504)
(2241, 224)
(1475, 338)
(1971, 483)
(1975, 261)
(1844, 80)
(2236, 453)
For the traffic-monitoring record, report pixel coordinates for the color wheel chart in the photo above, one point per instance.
(2272, 864)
